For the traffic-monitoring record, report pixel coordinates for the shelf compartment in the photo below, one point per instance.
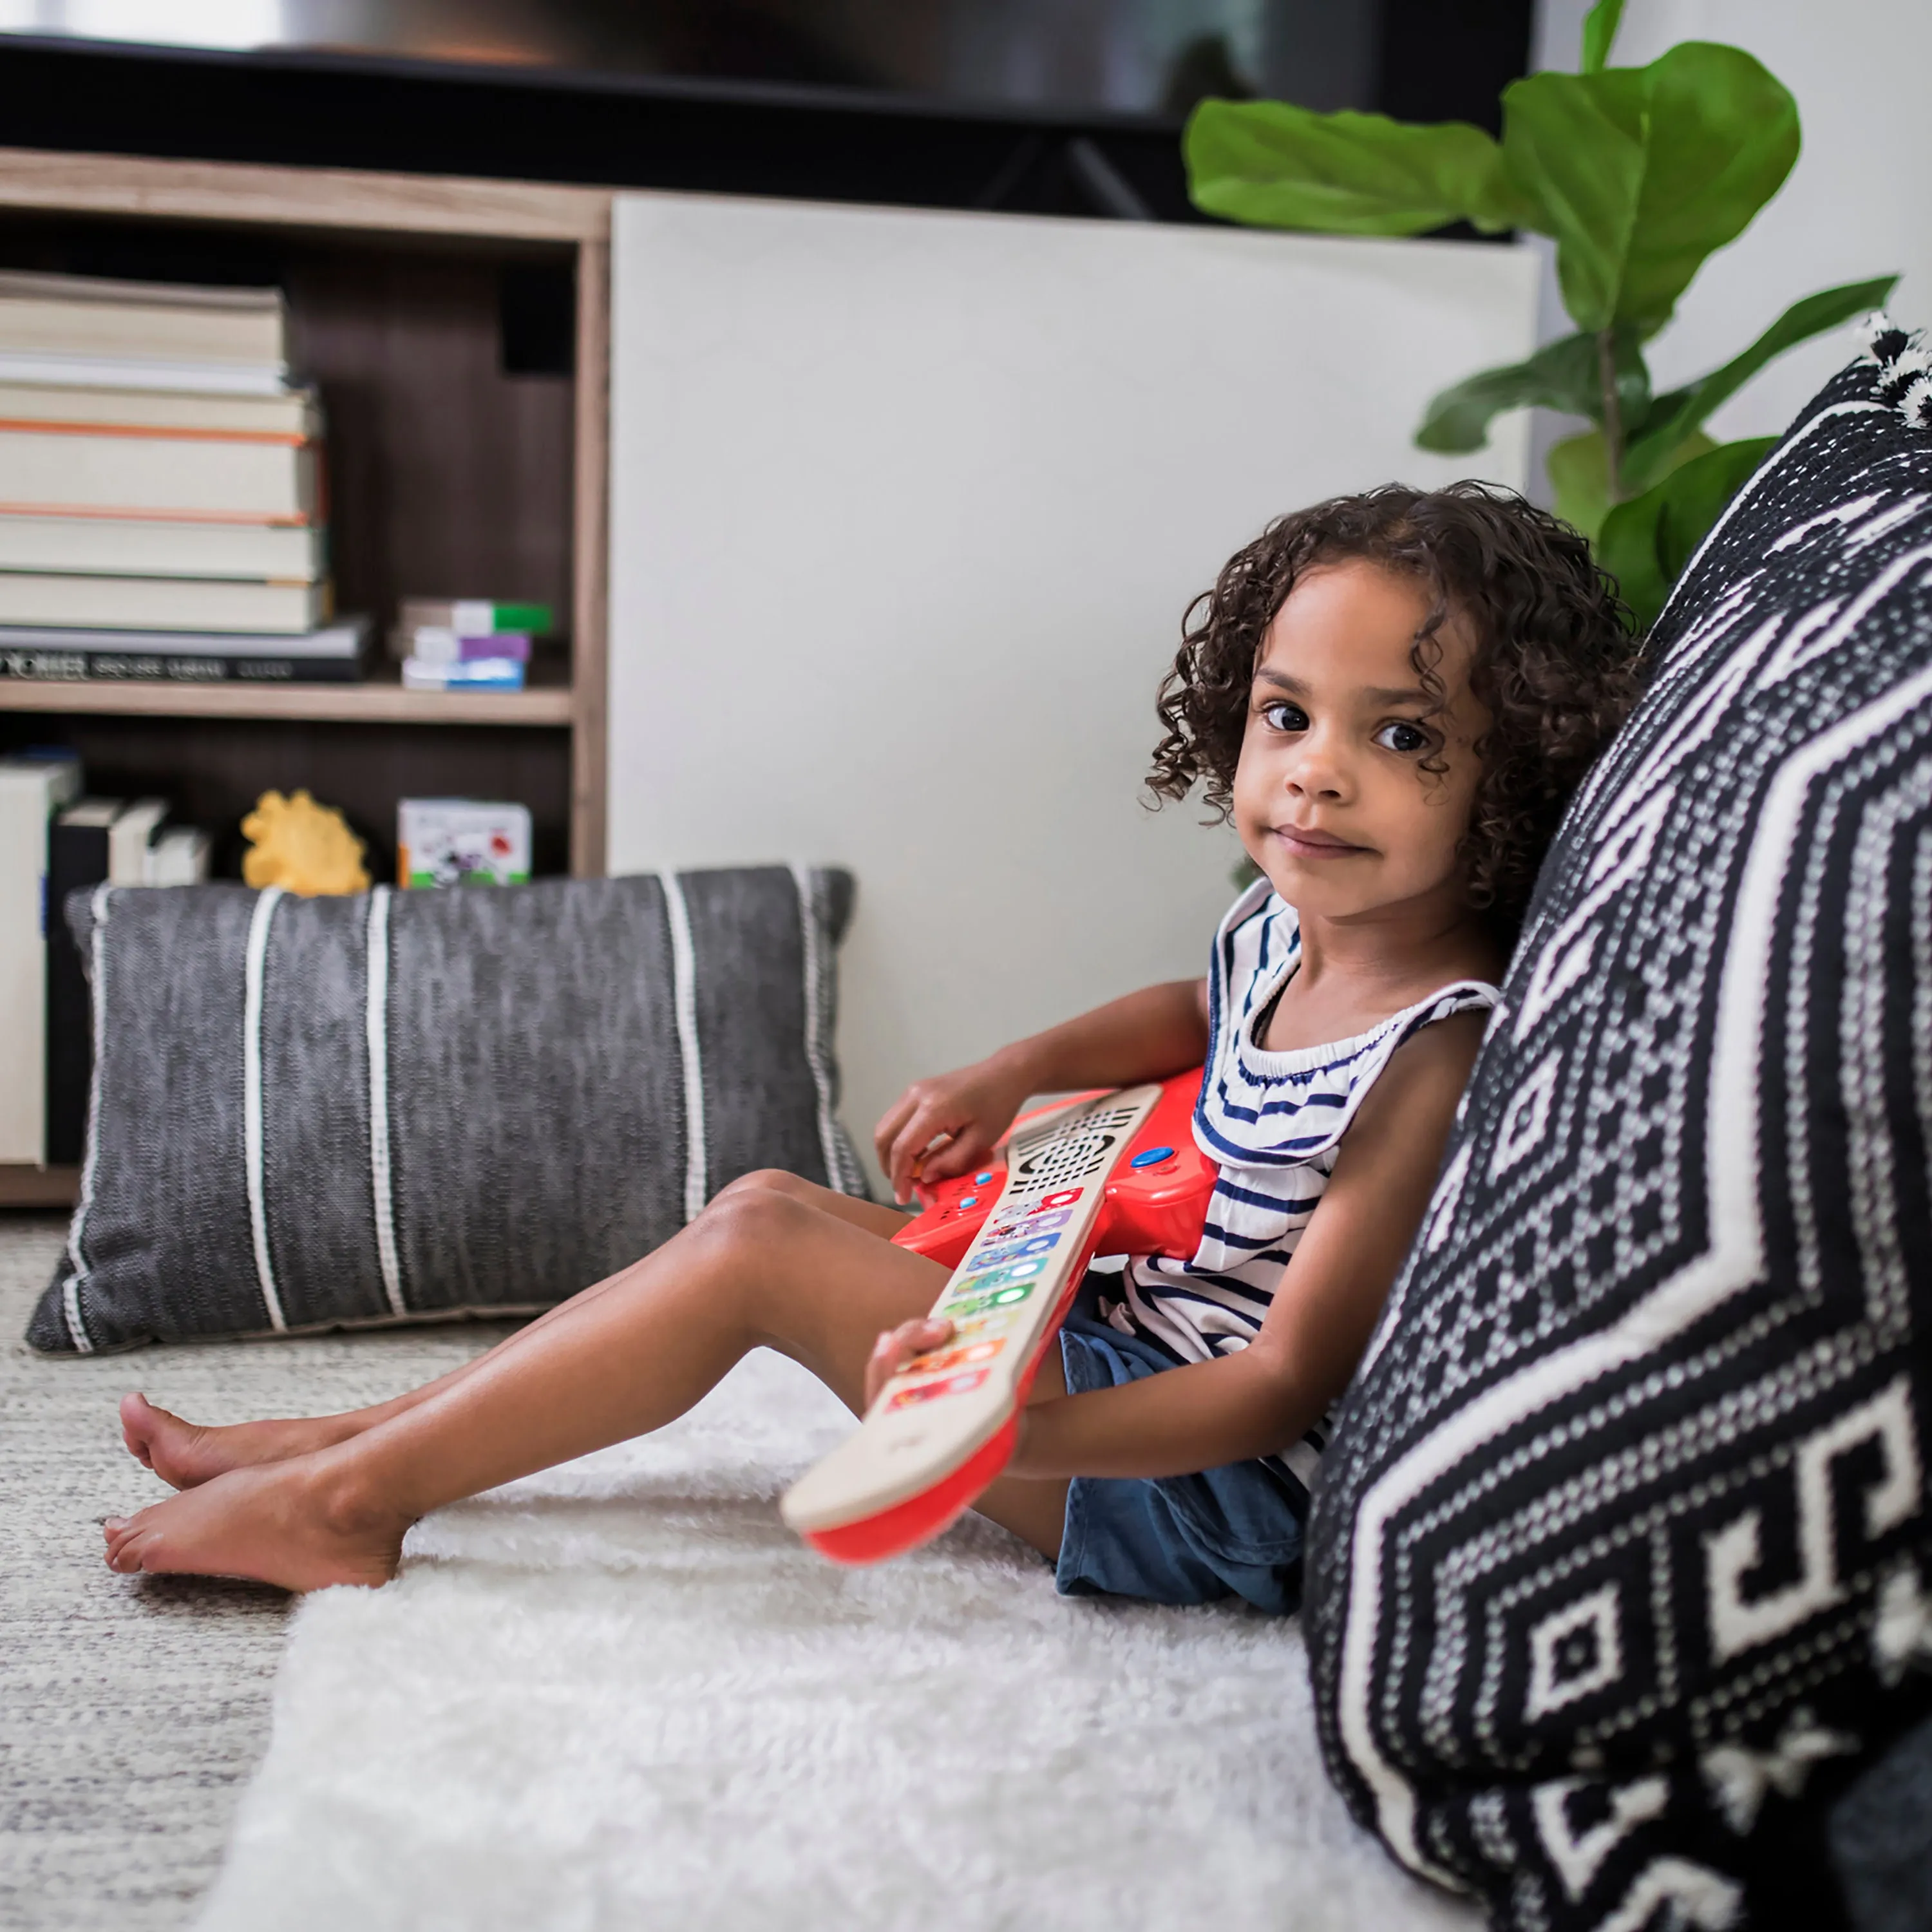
(213, 769)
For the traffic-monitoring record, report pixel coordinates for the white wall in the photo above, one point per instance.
(1858, 205)
(906, 508)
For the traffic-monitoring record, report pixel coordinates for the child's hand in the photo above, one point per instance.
(965, 1112)
(897, 1346)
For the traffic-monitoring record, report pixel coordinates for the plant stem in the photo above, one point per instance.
(1613, 419)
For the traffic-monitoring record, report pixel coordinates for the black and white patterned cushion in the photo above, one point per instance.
(1621, 1557)
(337, 1112)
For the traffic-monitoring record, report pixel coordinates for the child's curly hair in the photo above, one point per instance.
(1555, 663)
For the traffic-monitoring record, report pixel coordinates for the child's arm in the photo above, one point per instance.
(1145, 1035)
(1259, 1401)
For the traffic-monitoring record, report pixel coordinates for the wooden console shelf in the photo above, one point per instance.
(379, 701)
(456, 468)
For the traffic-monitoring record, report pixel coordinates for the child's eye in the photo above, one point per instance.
(1399, 735)
(1282, 716)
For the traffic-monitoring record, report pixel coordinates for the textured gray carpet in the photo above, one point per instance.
(132, 1711)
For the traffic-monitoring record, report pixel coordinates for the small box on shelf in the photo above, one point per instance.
(461, 841)
(471, 674)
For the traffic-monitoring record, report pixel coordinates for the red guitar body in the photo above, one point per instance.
(1154, 1205)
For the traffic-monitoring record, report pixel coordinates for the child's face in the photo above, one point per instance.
(1330, 797)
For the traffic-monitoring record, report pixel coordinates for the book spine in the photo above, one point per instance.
(146, 667)
(149, 546)
(24, 809)
(76, 860)
(159, 473)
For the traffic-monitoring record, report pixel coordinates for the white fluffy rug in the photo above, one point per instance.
(619, 1695)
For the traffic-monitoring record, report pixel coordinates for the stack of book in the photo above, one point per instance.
(467, 643)
(52, 841)
(161, 511)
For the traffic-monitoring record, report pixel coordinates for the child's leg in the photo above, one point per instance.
(184, 1454)
(760, 1267)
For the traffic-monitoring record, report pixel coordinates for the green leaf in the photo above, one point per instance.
(1724, 135)
(1564, 375)
(1639, 173)
(1575, 143)
(1273, 165)
(1644, 544)
(1580, 481)
(1599, 33)
(1676, 415)
(1578, 478)
(1561, 377)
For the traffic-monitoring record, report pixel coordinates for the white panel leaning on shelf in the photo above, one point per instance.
(161, 473)
(31, 790)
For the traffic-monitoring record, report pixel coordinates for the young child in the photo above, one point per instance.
(1392, 695)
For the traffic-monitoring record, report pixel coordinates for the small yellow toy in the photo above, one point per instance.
(302, 846)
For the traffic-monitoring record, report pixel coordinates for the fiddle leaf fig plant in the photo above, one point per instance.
(1638, 176)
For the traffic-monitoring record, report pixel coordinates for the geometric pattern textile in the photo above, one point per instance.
(1621, 1562)
(347, 1112)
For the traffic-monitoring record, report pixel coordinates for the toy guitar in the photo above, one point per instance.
(1116, 1173)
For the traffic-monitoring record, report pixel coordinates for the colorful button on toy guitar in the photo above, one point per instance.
(926, 1391)
(979, 1304)
(1152, 1155)
(954, 1358)
(1018, 1251)
(1034, 1221)
(982, 1181)
(998, 1277)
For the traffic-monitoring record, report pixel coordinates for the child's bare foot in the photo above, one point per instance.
(286, 1523)
(184, 1454)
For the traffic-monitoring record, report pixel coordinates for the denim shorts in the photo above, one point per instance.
(1227, 1532)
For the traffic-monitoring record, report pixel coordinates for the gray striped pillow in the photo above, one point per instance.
(332, 1113)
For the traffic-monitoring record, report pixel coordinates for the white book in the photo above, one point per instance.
(161, 603)
(296, 412)
(129, 838)
(177, 857)
(31, 790)
(158, 472)
(88, 315)
(143, 372)
(156, 547)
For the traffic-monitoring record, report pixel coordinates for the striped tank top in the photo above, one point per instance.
(1273, 1122)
